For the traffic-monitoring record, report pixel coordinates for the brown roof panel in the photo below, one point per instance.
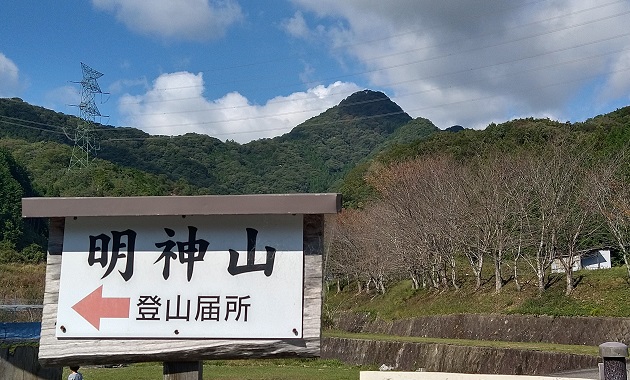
(327, 203)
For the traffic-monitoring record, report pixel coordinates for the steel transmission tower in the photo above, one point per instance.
(84, 141)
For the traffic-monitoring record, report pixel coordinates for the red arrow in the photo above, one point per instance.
(94, 307)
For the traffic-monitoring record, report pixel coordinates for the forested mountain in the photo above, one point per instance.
(15, 233)
(601, 137)
(313, 157)
(502, 204)
(334, 151)
(35, 150)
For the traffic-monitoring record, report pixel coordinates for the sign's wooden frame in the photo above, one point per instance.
(53, 351)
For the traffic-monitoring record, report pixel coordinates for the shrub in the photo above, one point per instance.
(33, 254)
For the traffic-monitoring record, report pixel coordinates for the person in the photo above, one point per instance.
(74, 373)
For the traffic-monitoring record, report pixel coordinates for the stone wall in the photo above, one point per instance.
(450, 358)
(515, 328)
(20, 363)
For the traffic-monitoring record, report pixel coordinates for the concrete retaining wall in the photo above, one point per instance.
(373, 375)
(514, 328)
(20, 363)
(449, 358)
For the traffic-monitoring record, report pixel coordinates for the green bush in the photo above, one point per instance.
(32, 254)
(8, 254)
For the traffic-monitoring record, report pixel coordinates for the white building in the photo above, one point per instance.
(599, 259)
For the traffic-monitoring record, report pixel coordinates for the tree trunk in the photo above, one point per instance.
(434, 277)
(516, 281)
(414, 281)
(540, 269)
(476, 267)
(498, 278)
(569, 278)
(625, 258)
(444, 276)
(540, 274)
(454, 273)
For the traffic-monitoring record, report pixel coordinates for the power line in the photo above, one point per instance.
(30, 127)
(468, 70)
(405, 95)
(32, 122)
(342, 47)
(327, 123)
(419, 79)
(530, 24)
(391, 113)
(427, 77)
(526, 25)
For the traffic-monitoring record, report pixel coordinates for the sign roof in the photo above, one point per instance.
(268, 204)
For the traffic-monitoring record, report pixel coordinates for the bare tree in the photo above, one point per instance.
(368, 248)
(557, 214)
(521, 193)
(406, 221)
(490, 195)
(542, 203)
(611, 195)
(516, 208)
(345, 254)
(422, 195)
(572, 224)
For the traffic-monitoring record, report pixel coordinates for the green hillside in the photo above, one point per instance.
(420, 203)
(474, 221)
(313, 157)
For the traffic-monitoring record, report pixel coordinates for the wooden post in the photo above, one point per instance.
(183, 370)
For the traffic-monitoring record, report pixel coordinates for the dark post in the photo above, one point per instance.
(614, 356)
(183, 370)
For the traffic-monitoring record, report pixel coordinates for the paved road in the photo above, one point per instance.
(580, 374)
(583, 374)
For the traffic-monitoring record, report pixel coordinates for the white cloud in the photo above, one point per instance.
(175, 105)
(123, 85)
(10, 84)
(185, 19)
(63, 98)
(618, 84)
(296, 26)
(473, 62)
(306, 76)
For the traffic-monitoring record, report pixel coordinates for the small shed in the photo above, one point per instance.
(591, 260)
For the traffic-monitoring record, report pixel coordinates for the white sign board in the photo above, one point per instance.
(215, 277)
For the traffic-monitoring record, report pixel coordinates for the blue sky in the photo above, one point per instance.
(244, 70)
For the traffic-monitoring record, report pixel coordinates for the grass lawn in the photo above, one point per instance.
(280, 369)
(598, 293)
(23, 282)
(601, 293)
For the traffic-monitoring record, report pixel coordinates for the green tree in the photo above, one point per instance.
(12, 178)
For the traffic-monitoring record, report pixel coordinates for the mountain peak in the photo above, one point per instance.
(455, 128)
(368, 103)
